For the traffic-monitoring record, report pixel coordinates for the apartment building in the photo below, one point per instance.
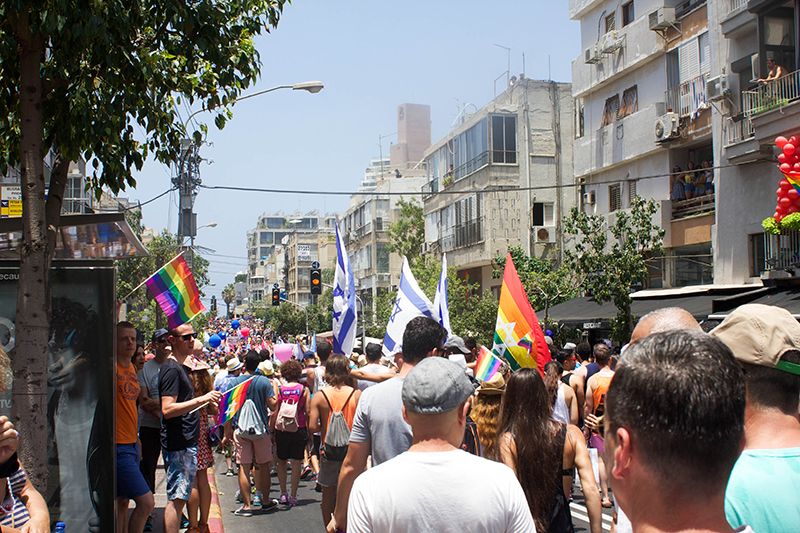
(474, 210)
(301, 250)
(643, 116)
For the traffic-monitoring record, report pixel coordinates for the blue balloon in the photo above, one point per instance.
(214, 341)
(549, 333)
(235, 324)
(222, 335)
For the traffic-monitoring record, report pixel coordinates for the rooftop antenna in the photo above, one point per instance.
(508, 67)
(549, 76)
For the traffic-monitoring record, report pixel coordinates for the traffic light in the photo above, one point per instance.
(316, 281)
(213, 303)
(276, 296)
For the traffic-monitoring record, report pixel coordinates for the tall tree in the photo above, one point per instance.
(613, 271)
(407, 234)
(228, 296)
(75, 76)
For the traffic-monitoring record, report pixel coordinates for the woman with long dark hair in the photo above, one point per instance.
(541, 451)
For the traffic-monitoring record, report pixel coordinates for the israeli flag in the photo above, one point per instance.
(440, 307)
(344, 301)
(411, 302)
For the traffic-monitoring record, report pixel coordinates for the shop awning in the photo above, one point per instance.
(787, 298)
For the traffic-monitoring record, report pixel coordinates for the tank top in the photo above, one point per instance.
(319, 379)
(560, 409)
(337, 400)
(599, 396)
(294, 394)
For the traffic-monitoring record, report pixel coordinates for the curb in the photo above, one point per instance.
(215, 513)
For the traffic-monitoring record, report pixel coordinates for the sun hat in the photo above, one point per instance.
(495, 385)
(234, 365)
(435, 385)
(266, 368)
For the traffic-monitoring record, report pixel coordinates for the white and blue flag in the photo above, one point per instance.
(344, 301)
(411, 302)
(440, 308)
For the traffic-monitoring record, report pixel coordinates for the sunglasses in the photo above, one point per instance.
(162, 340)
(189, 336)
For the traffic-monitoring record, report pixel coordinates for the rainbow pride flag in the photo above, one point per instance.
(794, 180)
(175, 290)
(518, 336)
(487, 366)
(232, 401)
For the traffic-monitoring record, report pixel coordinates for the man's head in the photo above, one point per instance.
(324, 349)
(234, 366)
(567, 359)
(583, 351)
(434, 396)
(661, 320)
(472, 346)
(602, 354)
(674, 412)
(126, 340)
(423, 337)
(455, 344)
(766, 342)
(337, 370)
(373, 352)
(161, 344)
(182, 339)
(251, 361)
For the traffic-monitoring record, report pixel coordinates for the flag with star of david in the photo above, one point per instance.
(345, 316)
(411, 302)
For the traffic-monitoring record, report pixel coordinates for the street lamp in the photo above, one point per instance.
(209, 225)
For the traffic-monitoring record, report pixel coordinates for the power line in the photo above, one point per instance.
(140, 204)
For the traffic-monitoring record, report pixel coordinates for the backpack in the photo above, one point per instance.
(287, 415)
(337, 438)
(249, 423)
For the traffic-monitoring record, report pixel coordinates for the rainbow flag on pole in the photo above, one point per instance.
(175, 290)
(518, 336)
(487, 366)
(794, 180)
(232, 401)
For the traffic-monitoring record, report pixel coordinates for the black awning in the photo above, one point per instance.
(787, 298)
(581, 313)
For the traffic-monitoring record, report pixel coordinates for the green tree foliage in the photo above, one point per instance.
(242, 277)
(408, 233)
(102, 81)
(228, 296)
(544, 284)
(613, 269)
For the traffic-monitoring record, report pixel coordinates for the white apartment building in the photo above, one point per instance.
(642, 108)
(474, 210)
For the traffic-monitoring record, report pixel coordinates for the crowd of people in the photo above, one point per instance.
(684, 430)
(693, 182)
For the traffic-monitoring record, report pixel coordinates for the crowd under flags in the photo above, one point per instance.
(345, 316)
(175, 290)
(518, 336)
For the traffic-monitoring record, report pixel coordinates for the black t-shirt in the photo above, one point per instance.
(180, 432)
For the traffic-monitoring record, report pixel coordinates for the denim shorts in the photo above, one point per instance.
(181, 467)
(130, 481)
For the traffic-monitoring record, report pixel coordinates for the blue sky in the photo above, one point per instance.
(372, 56)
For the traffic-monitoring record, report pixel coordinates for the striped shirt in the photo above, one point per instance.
(13, 512)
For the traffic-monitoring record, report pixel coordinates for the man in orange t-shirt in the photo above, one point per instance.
(131, 484)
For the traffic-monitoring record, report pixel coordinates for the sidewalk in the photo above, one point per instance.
(214, 517)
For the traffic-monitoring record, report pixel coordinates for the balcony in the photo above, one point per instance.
(693, 206)
(782, 252)
(626, 139)
(772, 95)
(467, 234)
(688, 98)
(737, 131)
(737, 20)
(430, 188)
(640, 46)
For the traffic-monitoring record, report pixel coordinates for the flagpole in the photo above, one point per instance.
(150, 276)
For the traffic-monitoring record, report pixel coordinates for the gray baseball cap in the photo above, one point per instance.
(435, 385)
(457, 343)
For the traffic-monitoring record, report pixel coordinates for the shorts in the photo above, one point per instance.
(247, 450)
(596, 442)
(688, 187)
(181, 467)
(291, 445)
(316, 441)
(130, 481)
(329, 472)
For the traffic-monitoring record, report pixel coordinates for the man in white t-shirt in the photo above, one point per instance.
(423, 489)
(373, 366)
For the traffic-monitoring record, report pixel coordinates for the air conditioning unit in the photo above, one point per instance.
(717, 88)
(667, 127)
(662, 18)
(384, 277)
(610, 43)
(593, 54)
(427, 247)
(544, 234)
(589, 197)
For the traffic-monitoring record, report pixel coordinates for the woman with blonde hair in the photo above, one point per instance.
(485, 413)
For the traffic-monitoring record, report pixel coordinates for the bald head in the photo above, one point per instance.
(661, 320)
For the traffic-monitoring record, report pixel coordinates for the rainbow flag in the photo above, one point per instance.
(174, 289)
(232, 401)
(794, 180)
(518, 336)
(487, 366)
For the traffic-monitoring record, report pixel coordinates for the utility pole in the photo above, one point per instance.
(188, 181)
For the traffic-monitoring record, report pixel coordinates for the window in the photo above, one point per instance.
(543, 214)
(610, 111)
(611, 22)
(632, 191)
(468, 221)
(630, 102)
(382, 258)
(266, 237)
(578, 118)
(627, 14)
(614, 197)
(504, 139)
(758, 260)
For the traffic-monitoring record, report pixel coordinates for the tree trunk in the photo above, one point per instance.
(33, 293)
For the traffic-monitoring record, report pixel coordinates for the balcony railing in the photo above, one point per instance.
(782, 252)
(689, 97)
(733, 5)
(772, 95)
(432, 187)
(467, 234)
(693, 206)
(736, 131)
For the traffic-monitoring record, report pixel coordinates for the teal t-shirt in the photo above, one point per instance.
(763, 491)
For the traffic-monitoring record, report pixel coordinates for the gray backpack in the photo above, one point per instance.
(337, 438)
(249, 423)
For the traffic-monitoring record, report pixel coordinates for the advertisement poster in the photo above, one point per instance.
(80, 393)
(303, 252)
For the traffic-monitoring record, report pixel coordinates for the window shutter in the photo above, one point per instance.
(689, 59)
